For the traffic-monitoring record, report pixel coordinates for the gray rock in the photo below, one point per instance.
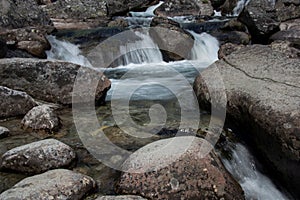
(171, 8)
(41, 118)
(121, 197)
(52, 81)
(174, 42)
(286, 47)
(260, 18)
(38, 156)
(77, 14)
(263, 18)
(177, 168)
(122, 7)
(28, 14)
(14, 103)
(228, 6)
(206, 8)
(118, 22)
(263, 94)
(227, 48)
(235, 37)
(291, 35)
(290, 24)
(54, 184)
(18, 53)
(287, 9)
(28, 39)
(3, 132)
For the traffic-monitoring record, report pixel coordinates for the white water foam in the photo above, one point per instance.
(141, 51)
(142, 19)
(148, 13)
(66, 51)
(240, 6)
(205, 48)
(255, 185)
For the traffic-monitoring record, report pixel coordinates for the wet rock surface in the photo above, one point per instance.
(14, 103)
(176, 169)
(262, 88)
(41, 118)
(38, 157)
(52, 81)
(169, 37)
(54, 184)
(3, 132)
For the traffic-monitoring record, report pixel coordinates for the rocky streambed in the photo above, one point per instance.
(143, 102)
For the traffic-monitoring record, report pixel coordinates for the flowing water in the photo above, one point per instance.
(243, 167)
(152, 75)
(145, 79)
(142, 19)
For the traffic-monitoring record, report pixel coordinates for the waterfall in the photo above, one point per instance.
(240, 6)
(141, 51)
(205, 48)
(148, 13)
(242, 3)
(66, 51)
(255, 185)
(142, 19)
(134, 22)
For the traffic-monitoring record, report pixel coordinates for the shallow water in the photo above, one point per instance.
(145, 81)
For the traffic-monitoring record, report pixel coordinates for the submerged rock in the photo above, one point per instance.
(3, 132)
(53, 81)
(54, 184)
(41, 118)
(263, 94)
(38, 157)
(121, 197)
(14, 103)
(176, 169)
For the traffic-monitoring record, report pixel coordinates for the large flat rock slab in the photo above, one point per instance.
(51, 81)
(263, 93)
